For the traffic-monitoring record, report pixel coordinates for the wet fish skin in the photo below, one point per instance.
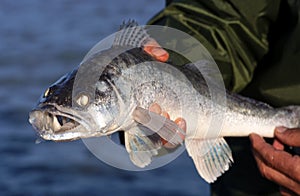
(62, 115)
(60, 96)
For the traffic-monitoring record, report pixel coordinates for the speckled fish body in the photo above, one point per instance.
(118, 97)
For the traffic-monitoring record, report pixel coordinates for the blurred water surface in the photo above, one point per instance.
(39, 42)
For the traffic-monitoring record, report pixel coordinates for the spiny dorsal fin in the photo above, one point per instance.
(131, 34)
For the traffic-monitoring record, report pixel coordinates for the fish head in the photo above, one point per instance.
(63, 114)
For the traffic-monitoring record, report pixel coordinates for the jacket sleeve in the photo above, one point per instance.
(233, 31)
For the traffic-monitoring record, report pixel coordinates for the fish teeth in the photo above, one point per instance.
(56, 124)
(68, 126)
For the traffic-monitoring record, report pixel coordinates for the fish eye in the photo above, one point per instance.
(47, 92)
(82, 100)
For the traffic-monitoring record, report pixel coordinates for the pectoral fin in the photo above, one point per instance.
(211, 157)
(140, 146)
(164, 127)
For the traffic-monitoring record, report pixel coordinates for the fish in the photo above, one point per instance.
(117, 86)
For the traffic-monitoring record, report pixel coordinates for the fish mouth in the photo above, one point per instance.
(55, 125)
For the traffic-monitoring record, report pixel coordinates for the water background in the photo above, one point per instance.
(39, 42)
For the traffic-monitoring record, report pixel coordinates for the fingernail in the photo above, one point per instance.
(165, 114)
(154, 107)
(181, 123)
(251, 137)
(280, 129)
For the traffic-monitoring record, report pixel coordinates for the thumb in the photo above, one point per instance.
(290, 137)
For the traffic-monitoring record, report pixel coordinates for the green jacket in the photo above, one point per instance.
(256, 45)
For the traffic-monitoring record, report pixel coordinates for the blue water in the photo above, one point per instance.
(39, 42)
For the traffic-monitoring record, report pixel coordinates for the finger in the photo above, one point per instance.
(282, 180)
(289, 137)
(274, 175)
(157, 109)
(286, 192)
(278, 160)
(165, 114)
(182, 124)
(156, 51)
(154, 107)
(165, 142)
(160, 54)
(256, 141)
(278, 145)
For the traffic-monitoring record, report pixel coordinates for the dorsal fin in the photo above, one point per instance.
(131, 34)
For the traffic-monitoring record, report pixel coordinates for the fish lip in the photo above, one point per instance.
(44, 119)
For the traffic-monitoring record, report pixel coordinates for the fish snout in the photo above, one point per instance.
(54, 125)
(40, 120)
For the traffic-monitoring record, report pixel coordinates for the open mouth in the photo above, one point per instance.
(63, 123)
(55, 126)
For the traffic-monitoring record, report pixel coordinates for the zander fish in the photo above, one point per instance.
(129, 82)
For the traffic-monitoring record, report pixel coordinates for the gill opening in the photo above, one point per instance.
(121, 104)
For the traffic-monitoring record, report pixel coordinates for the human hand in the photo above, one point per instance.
(277, 165)
(179, 121)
